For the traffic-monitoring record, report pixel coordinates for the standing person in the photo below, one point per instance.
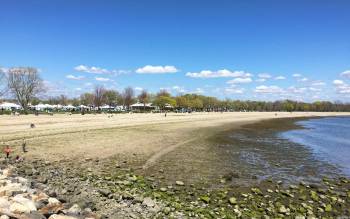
(24, 146)
(7, 151)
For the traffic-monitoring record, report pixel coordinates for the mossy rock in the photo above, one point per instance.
(205, 199)
(233, 201)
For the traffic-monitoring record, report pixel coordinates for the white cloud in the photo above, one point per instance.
(240, 81)
(315, 89)
(150, 69)
(92, 70)
(138, 88)
(99, 70)
(260, 80)
(230, 90)
(341, 87)
(296, 90)
(280, 77)
(268, 89)
(78, 89)
(346, 74)
(338, 82)
(304, 79)
(179, 89)
(297, 75)
(264, 76)
(4, 70)
(224, 73)
(88, 84)
(318, 83)
(198, 90)
(102, 79)
(72, 77)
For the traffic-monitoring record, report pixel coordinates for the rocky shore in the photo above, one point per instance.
(20, 198)
(100, 189)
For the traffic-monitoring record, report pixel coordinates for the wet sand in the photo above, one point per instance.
(246, 155)
(137, 136)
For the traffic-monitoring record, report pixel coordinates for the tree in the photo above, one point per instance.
(128, 97)
(63, 100)
(288, 106)
(182, 102)
(99, 96)
(163, 101)
(24, 83)
(111, 97)
(164, 93)
(87, 99)
(143, 98)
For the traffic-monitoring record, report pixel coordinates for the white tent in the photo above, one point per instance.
(106, 107)
(41, 107)
(83, 107)
(9, 106)
(141, 106)
(69, 107)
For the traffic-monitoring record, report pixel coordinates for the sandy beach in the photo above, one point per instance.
(149, 165)
(145, 135)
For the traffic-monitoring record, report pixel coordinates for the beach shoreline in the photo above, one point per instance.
(119, 185)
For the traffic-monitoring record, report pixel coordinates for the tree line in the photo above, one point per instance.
(25, 84)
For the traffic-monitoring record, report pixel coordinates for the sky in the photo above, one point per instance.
(256, 50)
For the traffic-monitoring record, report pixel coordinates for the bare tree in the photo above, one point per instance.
(87, 99)
(143, 98)
(24, 83)
(63, 99)
(99, 96)
(128, 97)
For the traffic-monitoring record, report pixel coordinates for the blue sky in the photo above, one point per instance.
(259, 50)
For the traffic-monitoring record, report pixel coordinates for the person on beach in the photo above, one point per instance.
(7, 151)
(24, 146)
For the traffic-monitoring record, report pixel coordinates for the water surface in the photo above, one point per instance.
(328, 139)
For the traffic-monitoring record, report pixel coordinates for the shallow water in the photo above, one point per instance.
(328, 139)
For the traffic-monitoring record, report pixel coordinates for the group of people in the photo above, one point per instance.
(8, 150)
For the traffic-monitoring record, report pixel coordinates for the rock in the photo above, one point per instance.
(7, 172)
(53, 201)
(4, 217)
(180, 183)
(233, 201)
(104, 192)
(256, 191)
(282, 209)
(205, 199)
(57, 216)
(26, 202)
(148, 202)
(34, 215)
(75, 209)
(163, 189)
(4, 203)
(328, 208)
(18, 208)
